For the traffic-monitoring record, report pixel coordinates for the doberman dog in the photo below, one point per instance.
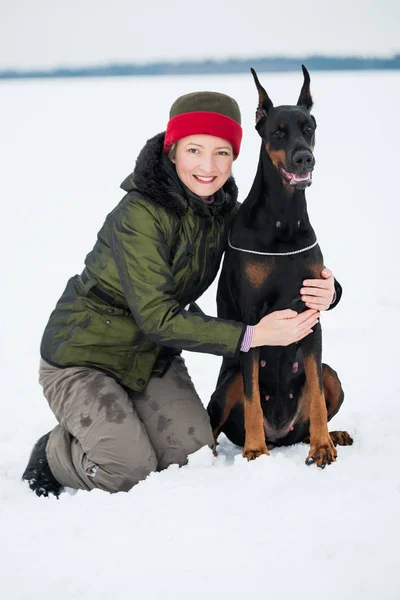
(274, 395)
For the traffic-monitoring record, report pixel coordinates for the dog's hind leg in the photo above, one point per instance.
(254, 444)
(227, 395)
(334, 397)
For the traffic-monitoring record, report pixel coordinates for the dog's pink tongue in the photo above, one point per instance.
(300, 177)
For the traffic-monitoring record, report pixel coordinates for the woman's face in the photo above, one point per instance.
(203, 163)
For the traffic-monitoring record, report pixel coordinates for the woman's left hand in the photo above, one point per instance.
(318, 293)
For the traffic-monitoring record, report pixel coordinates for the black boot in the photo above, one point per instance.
(37, 473)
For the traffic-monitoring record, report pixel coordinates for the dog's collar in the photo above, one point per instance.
(271, 253)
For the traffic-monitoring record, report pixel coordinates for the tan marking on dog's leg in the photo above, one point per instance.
(304, 404)
(254, 444)
(333, 393)
(303, 409)
(234, 395)
(322, 449)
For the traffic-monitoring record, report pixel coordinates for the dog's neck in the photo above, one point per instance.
(274, 210)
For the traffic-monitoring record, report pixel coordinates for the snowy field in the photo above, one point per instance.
(219, 527)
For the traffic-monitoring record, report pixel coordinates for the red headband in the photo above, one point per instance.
(208, 123)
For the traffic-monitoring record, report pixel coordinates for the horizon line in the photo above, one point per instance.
(207, 66)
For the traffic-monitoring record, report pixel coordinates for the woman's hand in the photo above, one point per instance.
(284, 327)
(318, 293)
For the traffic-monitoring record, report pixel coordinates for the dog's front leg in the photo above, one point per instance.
(322, 449)
(254, 444)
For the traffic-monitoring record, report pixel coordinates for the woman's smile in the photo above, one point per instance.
(202, 179)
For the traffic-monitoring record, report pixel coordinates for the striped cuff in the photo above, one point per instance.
(247, 339)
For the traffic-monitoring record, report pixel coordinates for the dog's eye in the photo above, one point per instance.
(308, 129)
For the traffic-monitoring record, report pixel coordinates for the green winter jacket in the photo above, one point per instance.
(157, 252)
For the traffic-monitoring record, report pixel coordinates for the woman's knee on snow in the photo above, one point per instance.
(179, 431)
(120, 458)
(123, 474)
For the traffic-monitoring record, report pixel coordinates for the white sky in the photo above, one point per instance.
(48, 33)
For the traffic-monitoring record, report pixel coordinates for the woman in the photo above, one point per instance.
(111, 368)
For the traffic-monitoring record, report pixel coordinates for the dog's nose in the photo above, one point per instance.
(304, 160)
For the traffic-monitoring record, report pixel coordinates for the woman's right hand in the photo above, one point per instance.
(284, 327)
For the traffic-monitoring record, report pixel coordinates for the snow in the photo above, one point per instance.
(220, 526)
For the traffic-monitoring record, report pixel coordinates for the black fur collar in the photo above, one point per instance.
(154, 178)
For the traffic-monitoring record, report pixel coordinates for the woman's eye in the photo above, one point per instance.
(192, 150)
(223, 153)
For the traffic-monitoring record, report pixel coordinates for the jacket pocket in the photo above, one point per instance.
(100, 335)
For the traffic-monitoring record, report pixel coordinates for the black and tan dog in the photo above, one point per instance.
(276, 396)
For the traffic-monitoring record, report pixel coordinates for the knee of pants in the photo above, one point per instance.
(123, 482)
(179, 429)
(114, 477)
(120, 465)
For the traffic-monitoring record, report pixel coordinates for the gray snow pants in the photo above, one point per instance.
(111, 438)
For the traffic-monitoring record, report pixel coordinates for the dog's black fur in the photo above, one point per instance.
(276, 395)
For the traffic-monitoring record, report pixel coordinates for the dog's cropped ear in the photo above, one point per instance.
(305, 98)
(264, 101)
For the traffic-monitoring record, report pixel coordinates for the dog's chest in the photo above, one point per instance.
(274, 283)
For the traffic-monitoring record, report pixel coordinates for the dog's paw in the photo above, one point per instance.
(214, 448)
(322, 453)
(341, 438)
(253, 453)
